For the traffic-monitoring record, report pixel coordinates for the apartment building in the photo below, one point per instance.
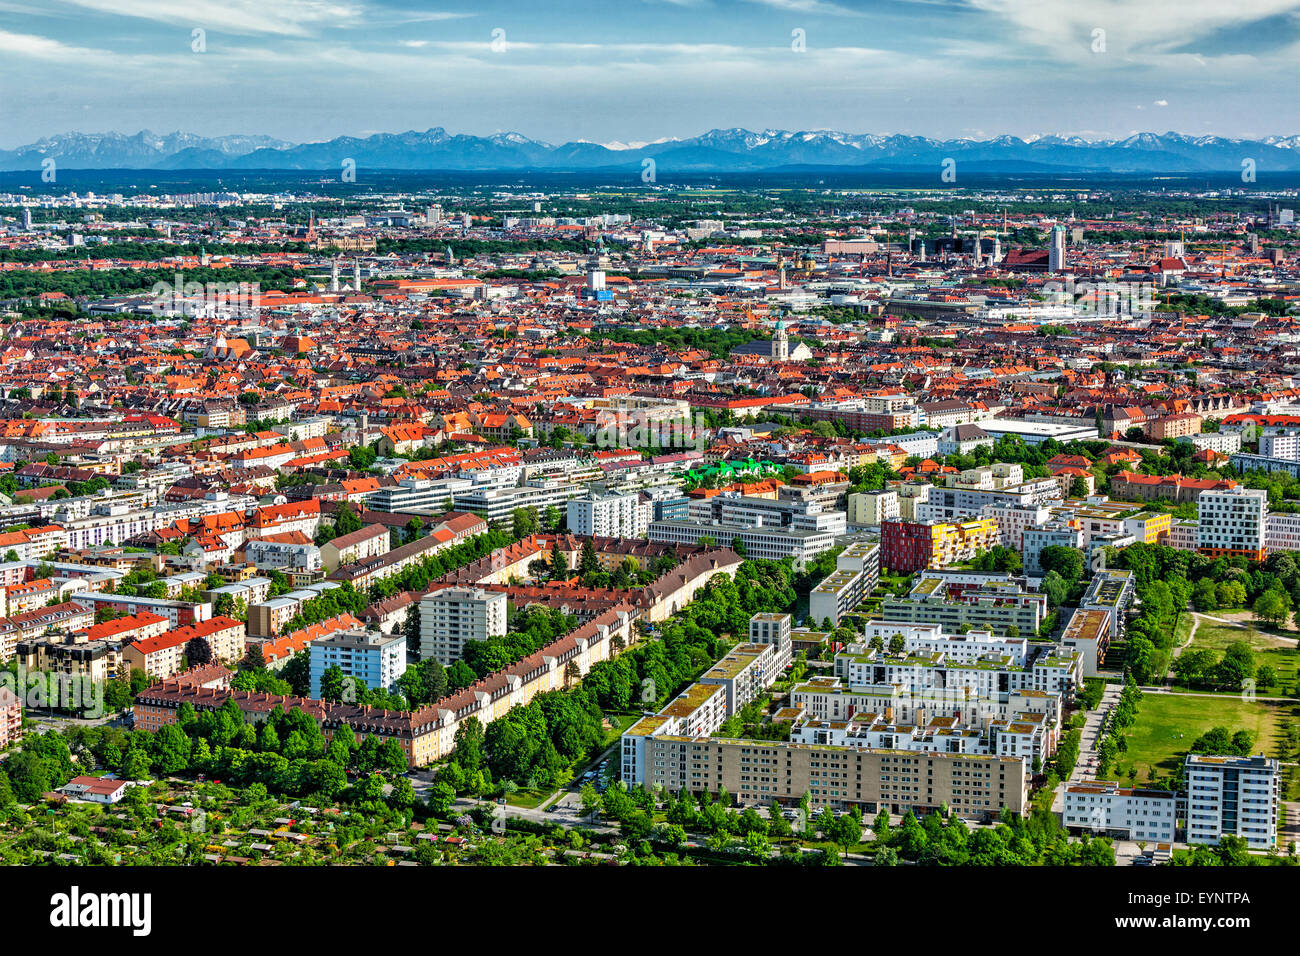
(371, 541)
(977, 660)
(72, 655)
(761, 542)
(1225, 443)
(1232, 523)
(451, 616)
(1030, 736)
(1232, 796)
(164, 656)
(1088, 633)
(971, 785)
(178, 613)
(498, 504)
(1014, 519)
(774, 629)
(963, 600)
(268, 617)
(755, 511)
(1056, 533)
(907, 546)
(978, 489)
(869, 508)
(1279, 443)
(371, 658)
(609, 515)
(1125, 813)
(828, 698)
(745, 672)
(57, 618)
(11, 718)
(857, 571)
(286, 556)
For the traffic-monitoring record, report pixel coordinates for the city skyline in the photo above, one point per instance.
(964, 69)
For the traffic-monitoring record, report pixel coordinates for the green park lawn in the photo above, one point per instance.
(1168, 724)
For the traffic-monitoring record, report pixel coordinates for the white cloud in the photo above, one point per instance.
(812, 7)
(248, 17)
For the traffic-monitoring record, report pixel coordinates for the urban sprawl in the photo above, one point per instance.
(674, 524)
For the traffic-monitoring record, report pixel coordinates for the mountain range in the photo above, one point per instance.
(719, 150)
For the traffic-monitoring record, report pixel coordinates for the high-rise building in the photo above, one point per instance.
(27, 219)
(609, 516)
(452, 616)
(367, 657)
(1232, 523)
(1056, 250)
(1232, 796)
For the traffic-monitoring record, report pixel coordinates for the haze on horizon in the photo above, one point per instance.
(559, 70)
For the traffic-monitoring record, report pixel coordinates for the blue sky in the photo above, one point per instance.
(640, 70)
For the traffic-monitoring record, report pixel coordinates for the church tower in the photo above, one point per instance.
(780, 343)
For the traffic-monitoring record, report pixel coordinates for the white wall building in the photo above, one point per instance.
(609, 516)
(1129, 813)
(1232, 796)
(452, 616)
(1232, 522)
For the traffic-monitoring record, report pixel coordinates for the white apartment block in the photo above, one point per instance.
(857, 571)
(829, 698)
(1282, 532)
(762, 543)
(946, 504)
(498, 504)
(283, 556)
(1232, 522)
(696, 712)
(1279, 443)
(112, 525)
(1014, 519)
(1225, 443)
(609, 516)
(1128, 813)
(774, 629)
(1232, 796)
(744, 673)
(452, 616)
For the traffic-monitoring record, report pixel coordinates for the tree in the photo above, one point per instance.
(846, 831)
(441, 798)
(346, 520)
(253, 659)
(589, 562)
(524, 522)
(591, 801)
(1273, 606)
(198, 651)
(1066, 561)
(1237, 665)
(414, 528)
(559, 563)
(332, 684)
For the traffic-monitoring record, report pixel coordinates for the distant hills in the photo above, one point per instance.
(719, 150)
